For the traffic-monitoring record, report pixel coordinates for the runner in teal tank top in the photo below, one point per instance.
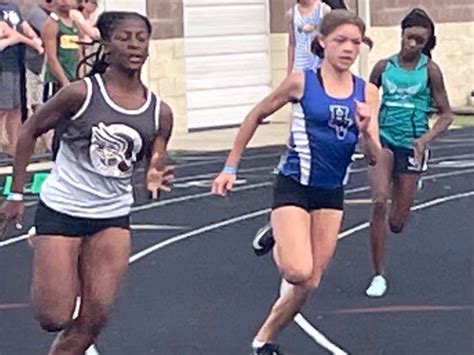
(412, 90)
(406, 102)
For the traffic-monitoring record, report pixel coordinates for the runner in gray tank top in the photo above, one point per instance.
(107, 123)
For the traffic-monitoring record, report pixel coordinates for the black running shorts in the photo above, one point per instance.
(50, 222)
(288, 192)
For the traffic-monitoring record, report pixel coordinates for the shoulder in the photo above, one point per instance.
(371, 91)
(325, 8)
(165, 109)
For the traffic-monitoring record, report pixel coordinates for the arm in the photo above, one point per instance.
(84, 28)
(291, 42)
(10, 37)
(376, 74)
(290, 90)
(441, 102)
(158, 175)
(50, 31)
(163, 134)
(370, 136)
(31, 38)
(62, 106)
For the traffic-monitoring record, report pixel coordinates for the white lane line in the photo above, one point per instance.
(156, 227)
(308, 328)
(208, 228)
(318, 337)
(192, 197)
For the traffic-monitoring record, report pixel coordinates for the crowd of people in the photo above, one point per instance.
(97, 146)
(41, 46)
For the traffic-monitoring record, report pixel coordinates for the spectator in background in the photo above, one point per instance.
(14, 32)
(60, 38)
(37, 16)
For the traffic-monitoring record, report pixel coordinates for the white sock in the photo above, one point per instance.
(257, 344)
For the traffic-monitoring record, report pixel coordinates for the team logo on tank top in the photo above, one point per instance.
(114, 148)
(340, 120)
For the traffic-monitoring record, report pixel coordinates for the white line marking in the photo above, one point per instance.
(192, 197)
(208, 228)
(155, 227)
(317, 336)
(308, 328)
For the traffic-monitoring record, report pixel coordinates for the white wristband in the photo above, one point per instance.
(14, 196)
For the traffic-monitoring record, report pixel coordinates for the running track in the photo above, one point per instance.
(195, 287)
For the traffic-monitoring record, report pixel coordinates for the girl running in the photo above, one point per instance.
(411, 83)
(109, 122)
(332, 108)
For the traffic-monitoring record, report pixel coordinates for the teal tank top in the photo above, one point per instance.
(406, 102)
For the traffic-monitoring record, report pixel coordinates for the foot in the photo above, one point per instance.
(263, 241)
(377, 287)
(268, 349)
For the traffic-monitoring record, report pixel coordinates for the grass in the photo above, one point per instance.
(464, 120)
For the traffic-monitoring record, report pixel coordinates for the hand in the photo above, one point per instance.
(9, 212)
(223, 183)
(363, 116)
(39, 45)
(308, 28)
(419, 146)
(158, 177)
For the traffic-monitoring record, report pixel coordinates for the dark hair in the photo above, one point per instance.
(107, 23)
(333, 20)
(336, 4)
(419, 18)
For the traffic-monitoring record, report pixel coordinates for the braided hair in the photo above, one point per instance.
(107, 23)
(419, 18)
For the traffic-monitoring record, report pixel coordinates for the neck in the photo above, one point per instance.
(128, 79)
(306, 3)
(408, 63)
(328, 71)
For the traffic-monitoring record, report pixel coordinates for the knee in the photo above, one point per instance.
(297, 274)
(396, 225)
(380, 204)
(53, 323)
(313, 282)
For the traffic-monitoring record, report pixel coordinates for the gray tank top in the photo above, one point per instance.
(99, 149)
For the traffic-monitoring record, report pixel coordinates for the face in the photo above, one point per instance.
(128, 46)
(414, 40)
(342, 46)
(90, 6)
(64, 6)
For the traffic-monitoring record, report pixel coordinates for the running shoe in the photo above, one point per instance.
(263, 241)
(268, 349)
(377, 287)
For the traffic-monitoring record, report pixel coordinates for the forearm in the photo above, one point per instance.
(291, 58)
(7, 42)
(57, 71)
(245, 134)
(370, 146)
(441, 125)
(24, 151)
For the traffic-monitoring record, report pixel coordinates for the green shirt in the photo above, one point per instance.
(406, 102)
(67, 51)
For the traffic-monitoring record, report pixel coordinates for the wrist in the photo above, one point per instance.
(229, 169)
(15, 197)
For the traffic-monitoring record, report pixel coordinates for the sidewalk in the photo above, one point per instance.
(272, 133)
